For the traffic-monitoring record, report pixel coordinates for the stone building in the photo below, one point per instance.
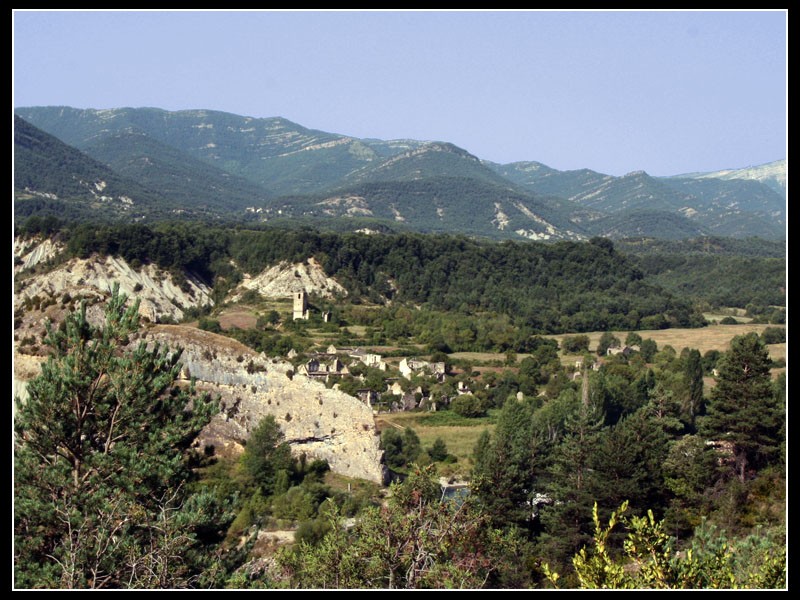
(300, 306)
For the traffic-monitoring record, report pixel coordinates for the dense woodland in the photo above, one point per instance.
(541, 288)
(631, 475)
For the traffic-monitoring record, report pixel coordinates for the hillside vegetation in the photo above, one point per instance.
(227, 167)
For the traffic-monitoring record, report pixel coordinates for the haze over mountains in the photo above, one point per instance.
(198, 163)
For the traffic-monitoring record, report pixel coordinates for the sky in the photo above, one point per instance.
(667, 92)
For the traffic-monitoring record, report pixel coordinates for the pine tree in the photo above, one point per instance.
(267, 459)
(101, 461)
(505, 466)
(573, 480)
(438, 452)
(743, 409)
(628, 462)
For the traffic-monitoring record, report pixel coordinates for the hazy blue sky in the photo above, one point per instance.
(665, 92)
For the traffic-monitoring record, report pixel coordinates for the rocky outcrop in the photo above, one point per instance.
(34, 251)
(286, 279)
(159, 296)
(323, 423)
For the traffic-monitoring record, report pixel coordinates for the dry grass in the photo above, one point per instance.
(214, 341)
(240, 317)
(737, 314)
(359, 330)
(713, 337)
(482, 357)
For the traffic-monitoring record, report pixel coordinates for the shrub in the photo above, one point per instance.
(468, 406)
(773, 335)
(573, 344)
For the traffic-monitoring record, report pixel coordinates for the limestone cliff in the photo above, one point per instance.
(322, 423)
(31, 252)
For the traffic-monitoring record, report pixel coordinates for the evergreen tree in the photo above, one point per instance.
(101, 461)
(505, 466)
(628, 462)
(267, 458)
(690, 470)
(438, 452)
(695, 403)
(743, 409)
(572, 481)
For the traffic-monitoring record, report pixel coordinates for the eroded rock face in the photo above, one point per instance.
(34, 251)
(322, 423)
(286, 279)
(158, 295)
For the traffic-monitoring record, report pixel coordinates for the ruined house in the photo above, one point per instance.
(408, 366)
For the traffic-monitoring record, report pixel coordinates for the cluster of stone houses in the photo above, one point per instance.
(323, 365)
(332, 364)
(595, 365)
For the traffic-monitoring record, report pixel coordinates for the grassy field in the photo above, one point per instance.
(244, 316)
(713, 337)
(459, 434)
(711, 317)
(241, 318)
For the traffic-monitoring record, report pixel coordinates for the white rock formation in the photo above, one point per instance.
(285, 279)
(159, 297)
(323, 423)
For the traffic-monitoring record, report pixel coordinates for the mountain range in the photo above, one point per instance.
(149, 164)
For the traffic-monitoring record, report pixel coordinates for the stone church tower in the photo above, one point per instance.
(300, 306)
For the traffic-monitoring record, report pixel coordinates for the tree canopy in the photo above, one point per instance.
(102, 461)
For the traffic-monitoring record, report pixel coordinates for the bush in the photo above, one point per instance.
(251, 297)
(400, 449)
(296, 504)
(468, 406)
(211, 325)
(773, 335)
(438, 452)
(312, 531)
(728, 321)
(574, 344)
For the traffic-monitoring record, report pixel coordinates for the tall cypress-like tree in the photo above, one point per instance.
(101, 461)
(743, 409)
(695, 403)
